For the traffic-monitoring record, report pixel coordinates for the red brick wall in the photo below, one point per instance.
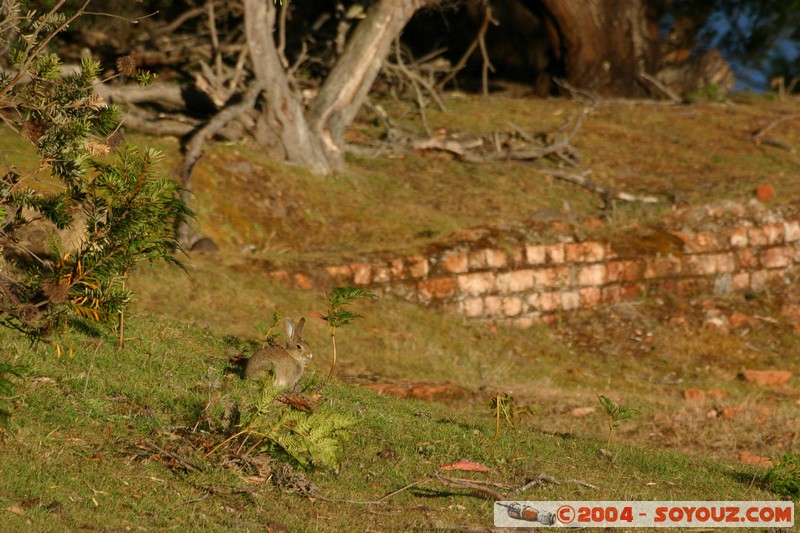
(525, 283)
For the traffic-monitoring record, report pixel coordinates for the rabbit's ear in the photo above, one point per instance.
(288, 325)
(299, 330)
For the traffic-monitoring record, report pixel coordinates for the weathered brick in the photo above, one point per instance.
(381, 273)
(757, 237)
(512, 306)
(534, 301)
(692, 286)
(570, 300)
(496, 258)
(722, 283)
(516, 257)
(746, 259)
(630, 292)
(476, 282)
(776, 276)
(417, 266)
(759, 280)
(624, 270)
(362, 273)
(699, 265)
(339, 272)
(493, 306)
(791, 230)
(593, 275)
(472, 307)
(548, 278)
(550, 318)
(701, 242)
(586, 252)
(726, 262)
(515, 281)
(550, 301)
(779, 257)
(738, 237)
(611, 294)
(554, 253)
(591, 296)
(523, 322)
(397, 268)
(774, 233)
(302, 282)
(436, 289)
(740, 282)
(487, 258)
(455, 262)
(535, 254)
(661, 266)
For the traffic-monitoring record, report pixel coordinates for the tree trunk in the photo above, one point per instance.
(603, 45)
(316, 139)
(284, 113)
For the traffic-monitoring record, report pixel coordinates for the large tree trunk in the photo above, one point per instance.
(604, 45)
(315, 139)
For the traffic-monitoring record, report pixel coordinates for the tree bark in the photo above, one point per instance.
(316, 139)
(284, 112)
(345, 89)
(603, 45)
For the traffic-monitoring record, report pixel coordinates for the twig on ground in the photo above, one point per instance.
(543, 478)
(759, 136)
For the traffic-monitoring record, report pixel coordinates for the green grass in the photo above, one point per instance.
(80, 451)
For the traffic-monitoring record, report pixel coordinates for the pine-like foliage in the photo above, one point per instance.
(73, 229)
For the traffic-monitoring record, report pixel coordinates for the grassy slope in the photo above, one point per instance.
(78, 455)
(75, 459)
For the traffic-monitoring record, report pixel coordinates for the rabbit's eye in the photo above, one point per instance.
(299, 346)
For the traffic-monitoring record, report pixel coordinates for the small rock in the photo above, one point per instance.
(694, 395)
(765, 192)
(579, 412)
(729, 412)
(771, 378)
(741, 320)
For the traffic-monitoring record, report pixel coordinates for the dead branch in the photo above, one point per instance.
(474, 486)
(759, 137)
(661, 87)
(165, 94)
(543, 479)
(487, 64)
(150, 123)
(478, 42)
(608, 195)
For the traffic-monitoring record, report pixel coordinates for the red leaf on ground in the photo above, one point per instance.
(465, 465)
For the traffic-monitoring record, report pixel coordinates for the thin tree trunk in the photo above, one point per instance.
(316, 139)
(346, 87)
(284, 111)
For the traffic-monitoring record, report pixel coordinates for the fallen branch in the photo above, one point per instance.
(543, 479)
(759, 136)
(607, 194)
(475, 486)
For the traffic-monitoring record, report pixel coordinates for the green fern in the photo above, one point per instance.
(310, 439)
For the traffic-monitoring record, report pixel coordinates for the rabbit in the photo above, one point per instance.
(286, 364)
